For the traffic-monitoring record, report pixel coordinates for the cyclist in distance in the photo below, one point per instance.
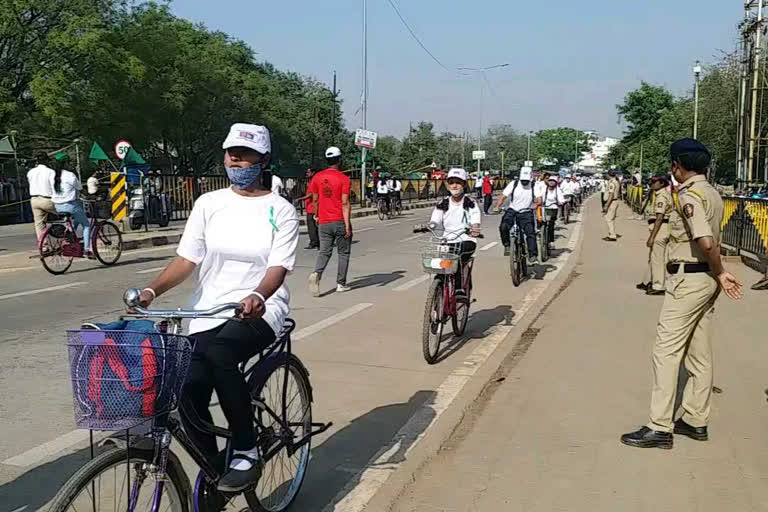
(242, 241)
(457, 214)
(522, 203)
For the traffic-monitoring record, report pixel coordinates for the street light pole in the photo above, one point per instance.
(696, 76)
(363, 181)
(529, 146)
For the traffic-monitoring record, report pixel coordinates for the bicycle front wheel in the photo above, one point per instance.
(514, 265)
(107, 242)
(432, 329)
(382, 209)
(107, 483)
(281, 382)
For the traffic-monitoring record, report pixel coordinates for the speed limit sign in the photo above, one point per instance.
(121, 148)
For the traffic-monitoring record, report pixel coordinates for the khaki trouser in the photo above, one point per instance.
(41, 207)
(684, 331)
(657, 259)
(610, 218)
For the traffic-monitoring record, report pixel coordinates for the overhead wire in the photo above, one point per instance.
(416, 38)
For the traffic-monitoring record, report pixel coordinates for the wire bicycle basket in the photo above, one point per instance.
(441, 256)
(121, 379)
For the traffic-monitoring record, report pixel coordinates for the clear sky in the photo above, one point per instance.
(569, 62)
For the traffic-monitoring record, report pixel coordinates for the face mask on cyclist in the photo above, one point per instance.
(525, 183)
(244, 177)
(455, 192)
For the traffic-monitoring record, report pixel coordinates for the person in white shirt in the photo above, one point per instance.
(576, 190)
(240, 243)
(40, 192)
(277, 184)
(382, 190)
(479, 187)
(397, 193)
(459, 216)
(541, 184)
(66, 196)
(552, 199)
(522, 202)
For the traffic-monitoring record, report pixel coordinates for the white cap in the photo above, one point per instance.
(457, 172)
(251, 136)
(332, 152)
(525, 174)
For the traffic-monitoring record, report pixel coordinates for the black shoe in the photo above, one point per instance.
(697, 433)
(310, 246)
(647, 438)
(506, 250)
(651, 291)
(236, 480)
(609, 239)
(643, 286)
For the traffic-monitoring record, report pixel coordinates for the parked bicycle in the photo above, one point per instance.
(59, 244)
(443, 258)
(141, 472)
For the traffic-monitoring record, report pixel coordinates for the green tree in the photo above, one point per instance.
(642, 109)
(560, 146)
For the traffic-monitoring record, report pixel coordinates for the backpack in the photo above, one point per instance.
(120, 378)
(512, 195)
(443, 204)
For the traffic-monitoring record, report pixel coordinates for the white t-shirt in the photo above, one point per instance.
(233, 239)
(93, 185)
(553, 198)
(382, 187)
(540, 187)
(277, 184)
(69, 188)
(456, 219)
(39, 178)
(391, 185)
(398, 186)
(524, 196)
(567, 188)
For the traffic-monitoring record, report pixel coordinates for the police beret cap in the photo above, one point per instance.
(686, 146)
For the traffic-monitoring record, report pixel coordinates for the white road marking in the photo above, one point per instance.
(334, 319)
(489, 246)
(410, 284)
(42, 290)
(45, 450)
(361, 230)
(150, 270)
(356, 496)
(414, 237)
(21, 509)
(391, 223)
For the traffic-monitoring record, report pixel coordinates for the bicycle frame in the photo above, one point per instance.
(449, 288)
(77, 247)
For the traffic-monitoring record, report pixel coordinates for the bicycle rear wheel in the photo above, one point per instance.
(107, 242)
(541, 239)
(381, 206)
(102, 484)
(279, 380)
(52, 250)
(432, 329)
(398, 208)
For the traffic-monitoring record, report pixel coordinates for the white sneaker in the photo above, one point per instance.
(314, 284)
(341, 288)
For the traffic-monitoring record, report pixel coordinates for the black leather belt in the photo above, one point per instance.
(688, 268)
(44, 197)
(653, 221)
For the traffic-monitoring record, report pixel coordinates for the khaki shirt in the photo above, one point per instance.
(699, 215)
(614, 189)
(663, 203)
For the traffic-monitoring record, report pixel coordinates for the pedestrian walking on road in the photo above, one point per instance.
(487, 192)
(40, 179)
(330, 194)
(663, 206)
(611, 208)
(684, 330)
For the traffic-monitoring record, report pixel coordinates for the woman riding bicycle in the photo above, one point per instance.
(458, 214)
(242, 241)
(66, 199)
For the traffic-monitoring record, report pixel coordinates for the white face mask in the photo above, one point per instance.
(455, 192)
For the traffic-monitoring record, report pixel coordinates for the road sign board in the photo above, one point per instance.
(529, 163)
(121, 148)
(478, 155)
(365, 138)
(118, 195)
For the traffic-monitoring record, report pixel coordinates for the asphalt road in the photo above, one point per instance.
(367, 370)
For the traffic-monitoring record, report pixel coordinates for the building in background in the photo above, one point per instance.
(592, 160)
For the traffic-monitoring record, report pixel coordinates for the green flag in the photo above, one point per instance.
(97, 153)
(6, 148)
(133, 158)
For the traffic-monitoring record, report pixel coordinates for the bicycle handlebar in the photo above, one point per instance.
(131, 299)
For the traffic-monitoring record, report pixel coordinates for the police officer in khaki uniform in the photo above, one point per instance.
(663, 206)
(613, 197)
(696, 277)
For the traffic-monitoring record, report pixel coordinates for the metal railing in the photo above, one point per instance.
(745, 227)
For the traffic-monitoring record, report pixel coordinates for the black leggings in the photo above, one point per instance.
(214, 366)
(466, 251)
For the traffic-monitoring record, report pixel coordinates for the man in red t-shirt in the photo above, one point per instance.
(330, 195)
(487, 192)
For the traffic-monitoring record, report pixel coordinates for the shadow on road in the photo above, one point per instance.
(38, 486)
(478, 327)
(338, 462)
(382, 279)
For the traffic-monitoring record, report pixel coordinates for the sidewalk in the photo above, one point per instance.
(546, 437)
